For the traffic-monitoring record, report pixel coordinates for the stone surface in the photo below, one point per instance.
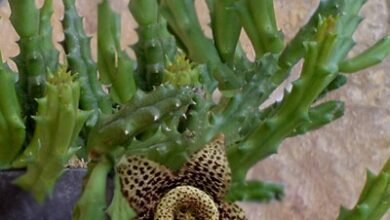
(321, 170)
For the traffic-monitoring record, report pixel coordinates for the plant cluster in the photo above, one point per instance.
(160, 105)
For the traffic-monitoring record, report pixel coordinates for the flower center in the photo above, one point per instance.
(187, 203)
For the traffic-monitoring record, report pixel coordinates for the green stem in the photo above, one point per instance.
(254, 191)
(182, 18)
(292, 113)
(367, 58)
(30, 62)
(114, 64)
(226, 29)
(92, 203)
(143, 111)
(77, 48)
(263, 15)
(12, 126)
(58, 123)
(150, 47)
(49, 53)
(374, 199)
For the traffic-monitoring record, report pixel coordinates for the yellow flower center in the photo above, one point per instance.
(186, 203)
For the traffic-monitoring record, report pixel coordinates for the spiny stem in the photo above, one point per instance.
(77, 48)
(370, 57)
(31, 66)
(115, 66)
(12, 126)
(58, 123)
(49, 53)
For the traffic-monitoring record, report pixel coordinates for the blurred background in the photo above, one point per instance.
(322, 170)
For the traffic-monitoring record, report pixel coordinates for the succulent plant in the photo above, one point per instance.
(159, 108)
(373, 201)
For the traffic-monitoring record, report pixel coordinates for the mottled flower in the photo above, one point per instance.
(196, 191)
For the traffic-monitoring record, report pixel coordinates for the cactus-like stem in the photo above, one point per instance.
(374, 198)
(368, 58)
(92, 202)
(49, 53)
(143, 111)
(149, 49)
(115, 66)
(321, 115)
(226, 28)
(183, 20)
(258, 20)
(254, 191)
(58, 123)
(168, 41)
(30, 62)
(156, 46)
(347, 13)
(243, 105)
(12, 128)
(77, 48)
(338, 82)
(319, 70)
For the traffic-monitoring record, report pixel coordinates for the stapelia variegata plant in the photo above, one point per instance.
(154, 119)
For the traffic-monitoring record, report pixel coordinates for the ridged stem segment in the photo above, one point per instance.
(347, 14)
(182, 18)
(143, 112)
(25, 18)
(374, 199)
(12, 128)
(367, 58)
(258, 20)
(78, 52)
(255, 191)
(226, 28)
(115, 66)
(155, 44)
(318, 71)
(49, 53)
(58, 123)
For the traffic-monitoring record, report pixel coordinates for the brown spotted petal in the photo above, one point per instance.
(156, 193)
(143, 183)
(230, 211)
(208, 169)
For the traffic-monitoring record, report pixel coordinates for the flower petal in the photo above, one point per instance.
(144, 183)
(231, 211)
(208, 169)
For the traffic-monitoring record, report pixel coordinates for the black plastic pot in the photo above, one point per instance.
(16, 204)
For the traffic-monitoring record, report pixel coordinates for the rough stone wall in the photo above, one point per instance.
(321, 170)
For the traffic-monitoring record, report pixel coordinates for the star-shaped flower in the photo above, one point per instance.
(196, 191)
